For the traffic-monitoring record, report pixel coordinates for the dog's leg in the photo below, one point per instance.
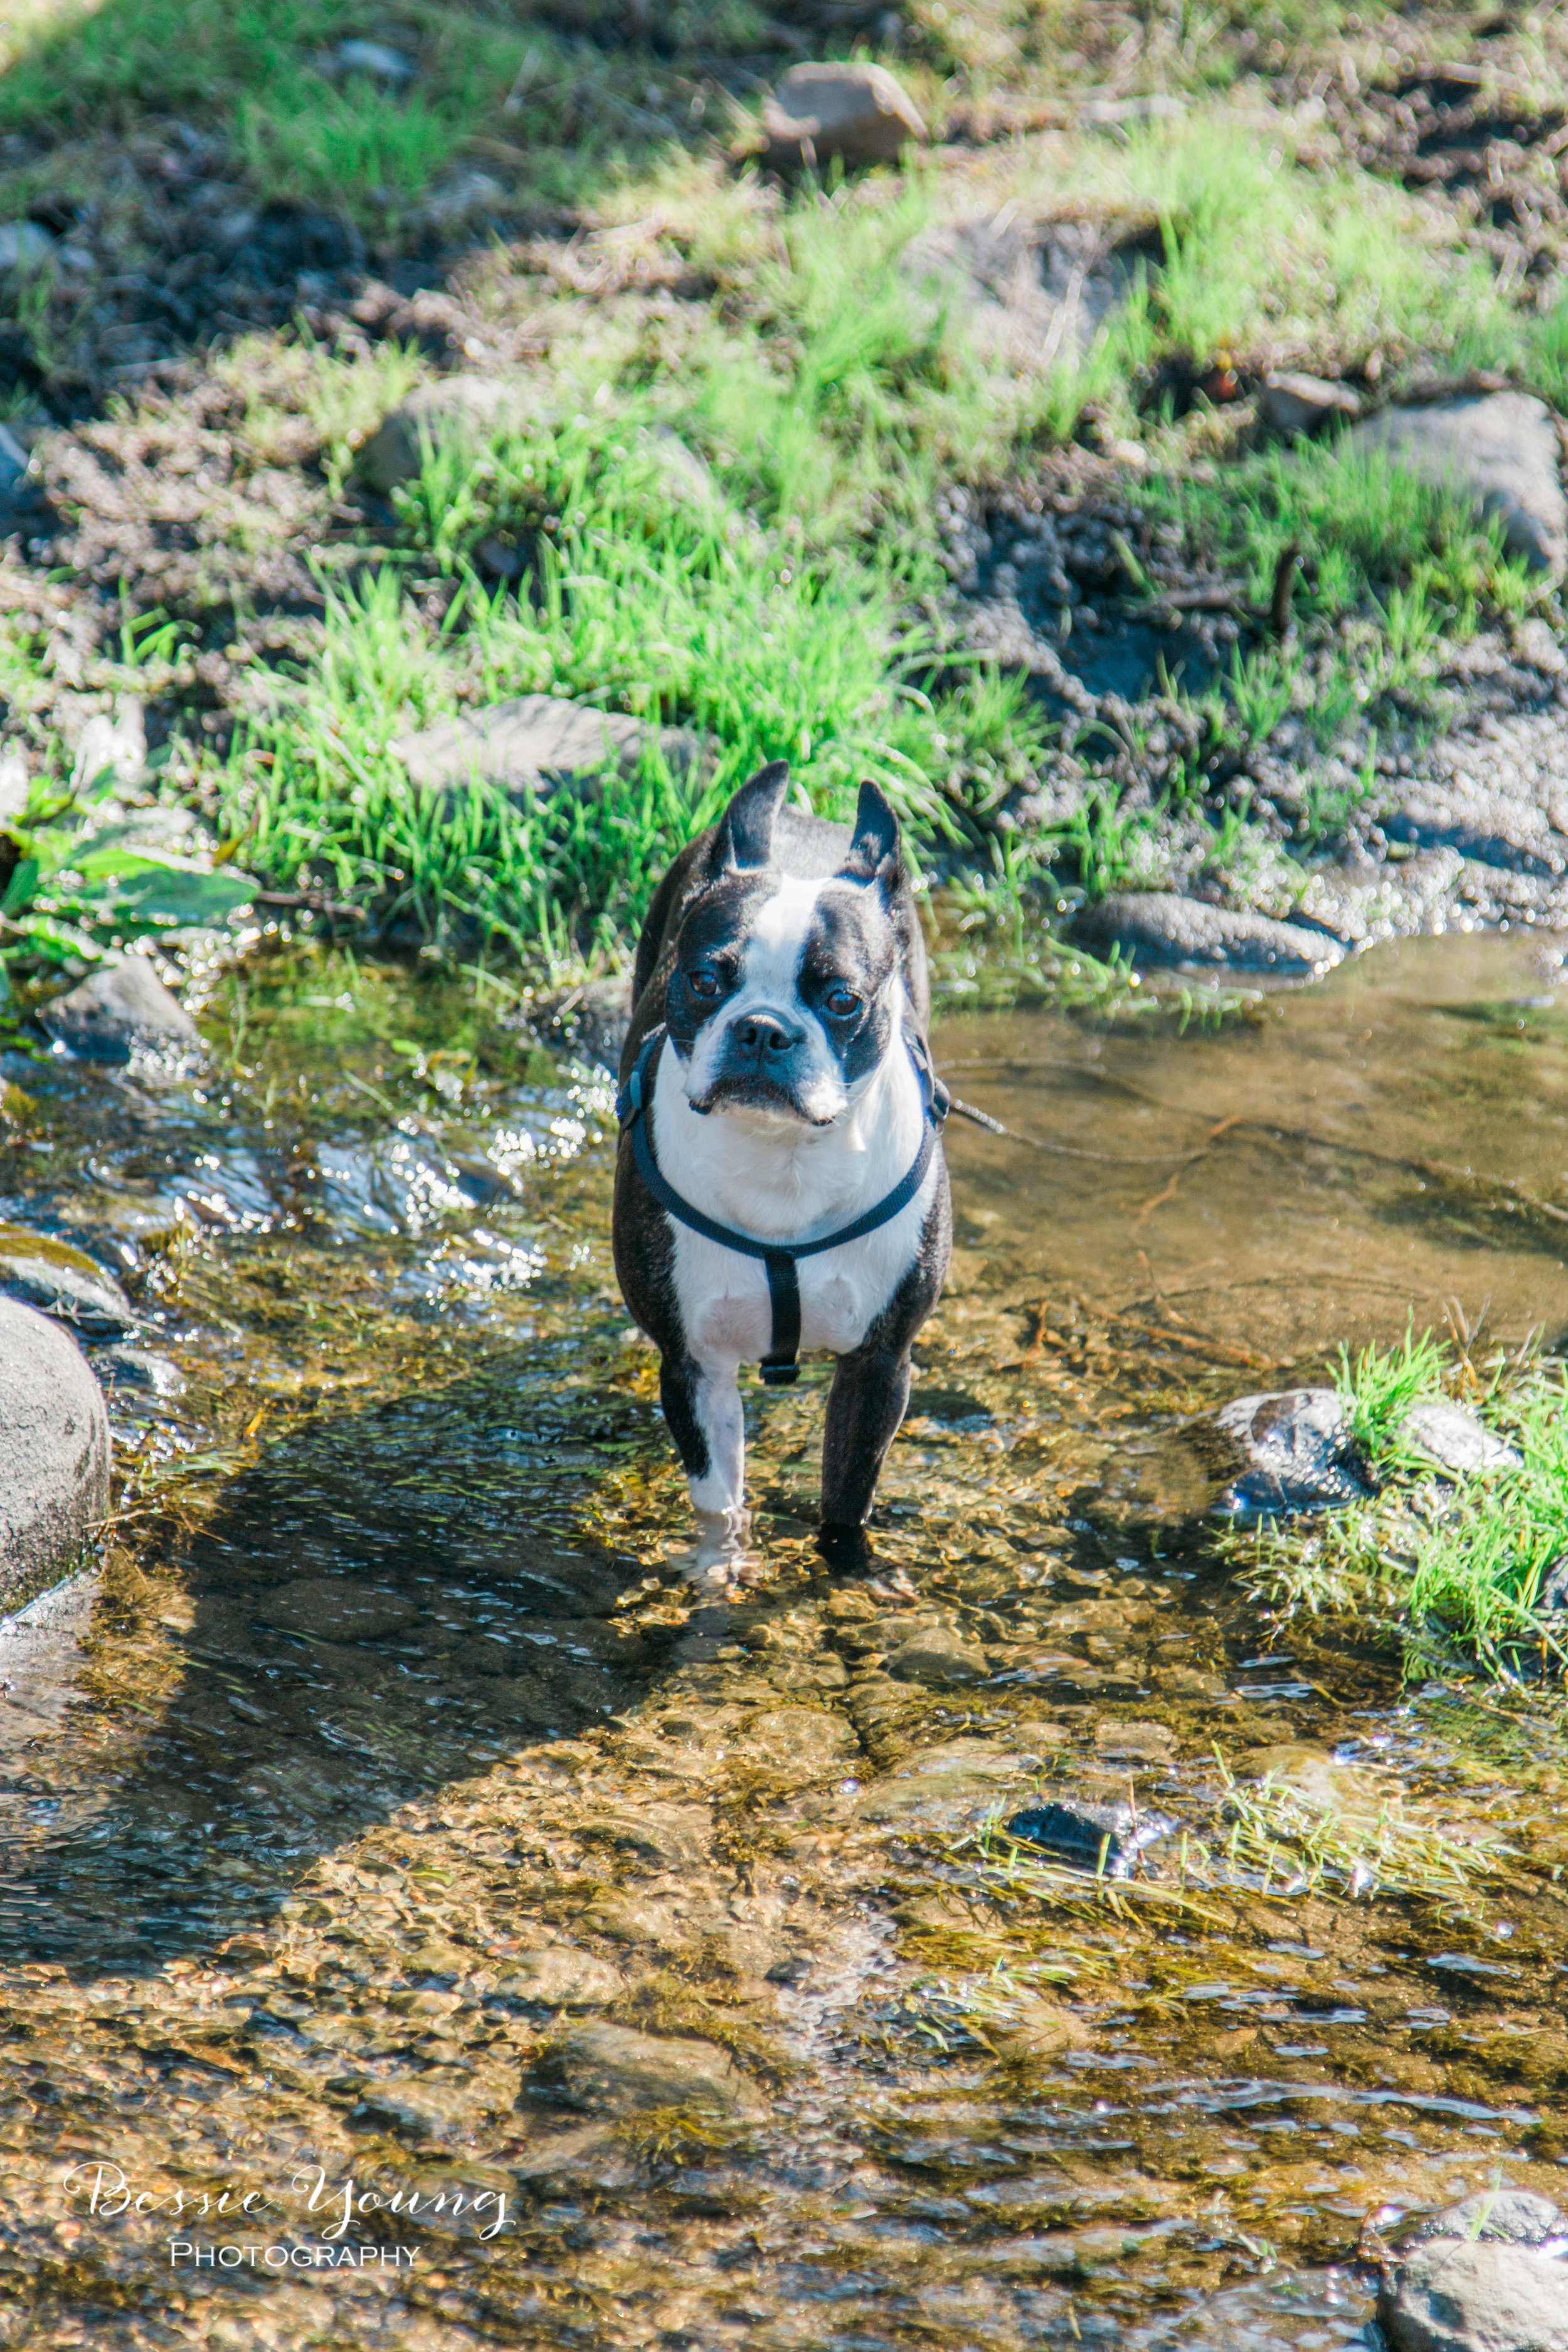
(864, 1405)
(702, 1407)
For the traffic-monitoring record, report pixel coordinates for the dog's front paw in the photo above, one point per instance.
(720, 1551)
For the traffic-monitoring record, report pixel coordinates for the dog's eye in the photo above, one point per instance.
(841, 1001)
(705, 984)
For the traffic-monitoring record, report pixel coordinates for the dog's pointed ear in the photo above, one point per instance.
(874, 848)
(745, 836)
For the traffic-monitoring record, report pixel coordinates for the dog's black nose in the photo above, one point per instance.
(764, 1034)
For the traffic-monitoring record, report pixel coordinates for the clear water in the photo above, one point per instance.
(392, 1679)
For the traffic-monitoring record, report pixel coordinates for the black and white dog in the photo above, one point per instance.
(781, 1181)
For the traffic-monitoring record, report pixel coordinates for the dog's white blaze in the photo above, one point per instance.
(770, 979)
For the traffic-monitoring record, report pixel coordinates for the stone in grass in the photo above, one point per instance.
(1105, 1839)
(462, 412)
(860, 112)
(1157, 928)
(1297, 1454)
(63, 1281)
(24, 245)
(54, 1450)
(535, 744)
(1500, 450)
(1518, 2215)
(1452, 2294)
(375, 59)
(1294, 405)
(139, 1367)
(611, 2070)
(1445, 1434)
(118, 1009)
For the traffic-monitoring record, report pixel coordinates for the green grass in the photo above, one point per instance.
(1379, 1388)
(1455, 1564)
(636, 600)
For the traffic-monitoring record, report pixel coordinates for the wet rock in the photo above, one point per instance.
(64, 1283)
(1500, 450)
(591, 1020)
(14, 464)
(1294, 405)
(959, 1781)
(1156, 927)
(427, 2109)
(936, 1657)
(375, 59)
(139, 1367)
(612, 2070)
(1100, 1838)
(117, 1009)
(1451, 2295)
(537, 743)
(462, 412)
(558, 1977)
(860, 112)
(1554, 1594)
(54, 1449)
(337, 1609)
(1298, 1453)
(1456, 1440)
(799, 1744)
(1516, 2215)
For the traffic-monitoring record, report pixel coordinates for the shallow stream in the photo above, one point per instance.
(391, 1745)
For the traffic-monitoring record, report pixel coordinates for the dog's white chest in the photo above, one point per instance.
(772, 1189)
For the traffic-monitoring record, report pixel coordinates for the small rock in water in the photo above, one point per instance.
(1155, 926)
(138, 1368)
(117, 1009)
(1456, 2296)
(858, 111)
(1293, 404)
(612, 2070)
(1298, 1453)
(54, 1450)
(64, 1283)
(533, 744)
(1498, 449)
(16, 780)
(1082, 1833)
(1456, 1440)
(936, 1657)
(558, 1977)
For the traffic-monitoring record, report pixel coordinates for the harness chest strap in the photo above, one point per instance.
(781, 1365)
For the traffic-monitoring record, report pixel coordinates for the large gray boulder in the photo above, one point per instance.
(54, 1450)
(860, 112)
(536, 743)
(1454, 2294)
(118, 1009)
(1500, 450)
(1157, 928)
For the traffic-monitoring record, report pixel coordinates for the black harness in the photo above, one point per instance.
(780, 1365)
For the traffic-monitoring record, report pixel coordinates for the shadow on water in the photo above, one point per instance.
(386, 1602)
